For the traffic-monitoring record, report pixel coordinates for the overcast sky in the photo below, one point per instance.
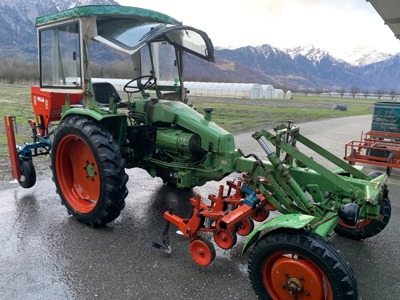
(333, 25)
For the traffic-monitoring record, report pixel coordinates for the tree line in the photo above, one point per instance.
(18, 70)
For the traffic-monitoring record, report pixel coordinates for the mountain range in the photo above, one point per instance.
(303, 67)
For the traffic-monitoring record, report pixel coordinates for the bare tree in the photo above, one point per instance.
(392, 93)
(341, 92)
(379, 93)
(365, 93)
(354, 90)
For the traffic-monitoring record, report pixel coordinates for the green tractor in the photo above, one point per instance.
(99, 135)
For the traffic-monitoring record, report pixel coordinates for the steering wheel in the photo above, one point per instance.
(151, 80)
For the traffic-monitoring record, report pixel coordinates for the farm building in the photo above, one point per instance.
(224, 89)
(288, 95)
(210, 89)
(269, 91)
(279, 94)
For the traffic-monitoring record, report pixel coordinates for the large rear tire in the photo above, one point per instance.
(297, 264)
(89, 171)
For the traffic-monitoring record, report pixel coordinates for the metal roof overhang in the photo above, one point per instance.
(389, 10)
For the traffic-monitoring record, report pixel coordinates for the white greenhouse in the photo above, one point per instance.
(279, 94)
(225, 89)
(269, 91)
(210, 89)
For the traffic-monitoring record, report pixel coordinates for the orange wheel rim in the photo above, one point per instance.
(261, 214)
(225, 239)
(201, 253)
(360, 224)
(288, 276)
(245, 227)
(77, 173)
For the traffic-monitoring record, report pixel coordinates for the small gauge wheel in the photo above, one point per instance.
(245, 227)
(261, 214)
(225, 239)
(352, 155)
(202, 251)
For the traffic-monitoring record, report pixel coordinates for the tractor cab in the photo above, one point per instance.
(70, 41)
(151, 123)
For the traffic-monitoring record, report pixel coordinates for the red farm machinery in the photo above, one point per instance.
(381, 145)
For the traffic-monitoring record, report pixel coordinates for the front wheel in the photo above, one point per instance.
(297, 264)
(366, 228)
(88, 171)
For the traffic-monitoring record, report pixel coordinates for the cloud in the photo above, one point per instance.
(333, 25)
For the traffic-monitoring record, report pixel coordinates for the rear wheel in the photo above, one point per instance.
(88, 171)
(366, 228)
(297, 264)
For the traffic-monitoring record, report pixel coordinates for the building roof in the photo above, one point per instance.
(389, 10)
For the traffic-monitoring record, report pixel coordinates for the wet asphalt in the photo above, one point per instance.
(46, 254)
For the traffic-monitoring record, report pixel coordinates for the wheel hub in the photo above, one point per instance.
(294, 286)
(299, 278)
(90, 170)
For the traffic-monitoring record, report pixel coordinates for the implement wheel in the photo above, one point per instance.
(202, 251)
(245, 227)
(366, 228)
(225, 239)
(297, 264)
(261, 214)
(28, 174)
(353, 153)
(88, 171)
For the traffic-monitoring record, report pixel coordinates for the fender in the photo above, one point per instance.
(294, 221)
(115, 123)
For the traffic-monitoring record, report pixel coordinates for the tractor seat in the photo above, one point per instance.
(102, 93)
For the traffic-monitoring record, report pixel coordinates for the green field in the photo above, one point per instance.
(15, 101)
(238, 115)
(235, 115)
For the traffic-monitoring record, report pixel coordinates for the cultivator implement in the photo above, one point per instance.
(226, 216)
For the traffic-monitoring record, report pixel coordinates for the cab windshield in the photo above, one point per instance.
(131, 35)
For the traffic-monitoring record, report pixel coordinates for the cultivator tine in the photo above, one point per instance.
(164, 246)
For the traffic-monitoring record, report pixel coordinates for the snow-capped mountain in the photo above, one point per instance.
(301, 67)
(312, 53)
(17, 23)
(359, 56)
(363, 55)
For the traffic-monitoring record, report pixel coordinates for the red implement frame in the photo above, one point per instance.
(12, 147)
(376, 148)
(224, 217)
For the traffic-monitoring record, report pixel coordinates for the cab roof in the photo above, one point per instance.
(145, 15)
